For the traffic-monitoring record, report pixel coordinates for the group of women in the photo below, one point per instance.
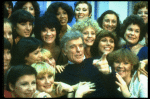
(32, 52)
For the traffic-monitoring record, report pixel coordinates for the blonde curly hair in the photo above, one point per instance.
(81, 25)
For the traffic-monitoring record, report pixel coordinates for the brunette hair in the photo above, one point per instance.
(100, 21)
(53, 8)
(15, 72)
(103, 33)
(140, 5)
(123, 55)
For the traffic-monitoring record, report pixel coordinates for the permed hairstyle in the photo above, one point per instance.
(43, 68)
(140, 5)
(53, 8)
(48, 20)
(135, 20)
(103, 33)
(19, 5)
(18, 71)
(81, 25)
(89, 5)
(70, 35)
(123, 55)
(22, 49)
(20, 16)
(100, 21)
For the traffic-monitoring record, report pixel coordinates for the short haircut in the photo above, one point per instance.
(48, 20)
(103, 33)
(20, 16)
(43, 68)
(19, 5)
(22, 49)
(134, 19)
(123, 55)
(100, 21)
(140, 5)
(53, 8)
(81, 25)
(18, 71)
(89, 5)
(70, 35)
(7, 44)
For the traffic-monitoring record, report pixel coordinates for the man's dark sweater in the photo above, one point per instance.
(105, 84)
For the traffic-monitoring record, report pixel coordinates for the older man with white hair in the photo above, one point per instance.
(80, 69)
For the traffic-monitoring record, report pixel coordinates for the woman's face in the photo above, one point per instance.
(89, 36)
(143, 12)
(8, 32)
(25, 86)
(34, 57)
(24, 29)
(109, 22)
(9, 8)
(123, 68)
(7, 59)
(62, 16)
(45, 83)
(81, 11)
(132, 34)
(48, 35)
(106, 44)
(29, 7)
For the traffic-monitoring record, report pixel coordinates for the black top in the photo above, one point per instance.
(105, 84)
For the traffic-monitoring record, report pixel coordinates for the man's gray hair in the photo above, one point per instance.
(70, 35)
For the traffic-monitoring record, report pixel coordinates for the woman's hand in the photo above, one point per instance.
(59, 68)
(102, 64)
(123, 86)
(84, 88)
(63, 87)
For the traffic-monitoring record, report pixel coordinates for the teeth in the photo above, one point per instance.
(107, 48)
(80, 16)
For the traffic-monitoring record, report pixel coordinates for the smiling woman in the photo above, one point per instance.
(21, 82)
(22, 22)
(47, 29)
(27, 51)
(64, 13)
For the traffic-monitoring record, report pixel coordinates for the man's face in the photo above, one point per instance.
(75, 50)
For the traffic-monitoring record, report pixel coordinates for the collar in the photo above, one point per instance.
(69, 62)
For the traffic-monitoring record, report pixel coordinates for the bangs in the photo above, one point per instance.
(123, 55)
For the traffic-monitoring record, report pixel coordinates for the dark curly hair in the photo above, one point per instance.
(133, 19)
(103, 33)
(100, 21)
(48, 20)
(140, 5)
(19, 5)
(53, 8)
(20, 16)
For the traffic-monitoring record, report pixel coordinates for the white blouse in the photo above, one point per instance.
(138, 89)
